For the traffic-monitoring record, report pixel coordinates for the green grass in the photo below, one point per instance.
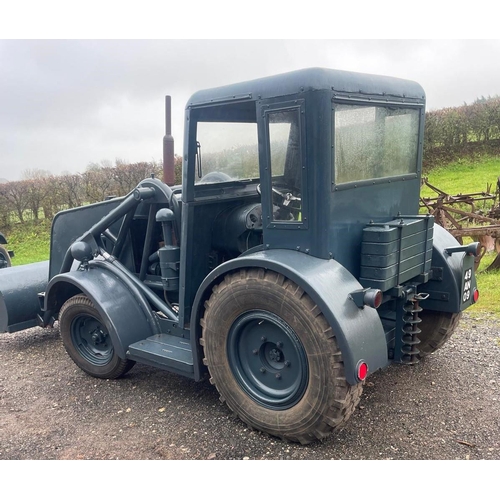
(471, 177)
(30, 242)
(488, 283)
(464, 177)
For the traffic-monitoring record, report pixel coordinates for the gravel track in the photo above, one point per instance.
(445, 408)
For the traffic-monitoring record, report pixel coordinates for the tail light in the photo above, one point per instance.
(362, 370)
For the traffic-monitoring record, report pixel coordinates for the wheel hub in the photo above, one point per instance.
(268, 359)
(90, 338)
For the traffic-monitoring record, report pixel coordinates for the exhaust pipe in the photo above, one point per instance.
(168, 146)
(19, 289)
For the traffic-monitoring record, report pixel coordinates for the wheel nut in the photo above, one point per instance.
(263, 370)
(287, 363)
(279, 344)
(263, 339)
(255, 351)
(278, 375)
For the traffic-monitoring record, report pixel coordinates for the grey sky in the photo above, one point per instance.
(66, 103)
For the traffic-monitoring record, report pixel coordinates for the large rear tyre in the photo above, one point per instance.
(274, 359)
(87, 340)
(437, 327)
(4, 257)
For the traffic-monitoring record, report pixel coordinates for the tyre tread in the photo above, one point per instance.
(343, 397)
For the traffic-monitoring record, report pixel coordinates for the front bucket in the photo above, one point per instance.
(19, 289)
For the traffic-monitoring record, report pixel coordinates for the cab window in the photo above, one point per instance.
(286, 164)
(373, 142)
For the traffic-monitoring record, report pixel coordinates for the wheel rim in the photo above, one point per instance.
(91, 340)
(267, 359)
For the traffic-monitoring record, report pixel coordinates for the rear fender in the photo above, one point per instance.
(125, 313)
(3, 241)
(358, 331)
(446, 287)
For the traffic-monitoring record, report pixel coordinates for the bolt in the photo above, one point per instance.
(279, 344)
(262, 370)
(287, 363)
(278, 376)
(255, 351)
(263, 339)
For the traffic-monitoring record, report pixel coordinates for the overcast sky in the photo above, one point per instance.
(67, 103)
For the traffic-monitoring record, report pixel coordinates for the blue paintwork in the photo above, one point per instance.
(359, 332)
(19, 288)
(118, 306)
(445, 291)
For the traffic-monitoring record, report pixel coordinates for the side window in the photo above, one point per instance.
(372, 142)
(226, 151)
(286, 164)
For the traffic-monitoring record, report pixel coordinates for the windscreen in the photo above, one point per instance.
(226, 151)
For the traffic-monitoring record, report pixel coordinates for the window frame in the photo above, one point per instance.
(268, 109)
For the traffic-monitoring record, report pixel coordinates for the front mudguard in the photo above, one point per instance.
(358, 331)
(125, 313)
(448, 283)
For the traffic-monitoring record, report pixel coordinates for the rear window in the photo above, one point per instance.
(373, 142)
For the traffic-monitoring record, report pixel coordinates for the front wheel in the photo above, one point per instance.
(87, 340)
(274, 359)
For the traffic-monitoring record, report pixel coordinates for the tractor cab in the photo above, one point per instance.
(301, 161)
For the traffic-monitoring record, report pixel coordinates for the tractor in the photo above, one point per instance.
(290, 265)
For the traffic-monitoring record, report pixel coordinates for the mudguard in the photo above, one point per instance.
(3, 241)
(125, 313)
(447, 286)
(359, 332)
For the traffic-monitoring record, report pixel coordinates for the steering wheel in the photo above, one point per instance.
(288, 205)
(281, 195)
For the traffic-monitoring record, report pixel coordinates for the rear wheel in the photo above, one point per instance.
(274, 359)
(437, 327)
(4, 257)
(87, 340)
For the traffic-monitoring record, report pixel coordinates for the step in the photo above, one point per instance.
(164, 351)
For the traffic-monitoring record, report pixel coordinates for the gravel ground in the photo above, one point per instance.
(445, 408)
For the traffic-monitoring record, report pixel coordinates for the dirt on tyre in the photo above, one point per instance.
(274, 359)
(436, 328)
(87, 340)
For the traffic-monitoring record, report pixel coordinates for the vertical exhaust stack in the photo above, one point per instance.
(168, 146)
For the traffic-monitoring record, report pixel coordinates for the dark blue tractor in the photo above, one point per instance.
(291, 264)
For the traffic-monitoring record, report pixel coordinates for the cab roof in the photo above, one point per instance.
(313, 79)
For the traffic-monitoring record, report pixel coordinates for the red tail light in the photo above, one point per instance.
(475, 296)
(362, 371)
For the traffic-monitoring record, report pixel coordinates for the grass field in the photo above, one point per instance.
(464, 177)
(31, 241)
(473, 177)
